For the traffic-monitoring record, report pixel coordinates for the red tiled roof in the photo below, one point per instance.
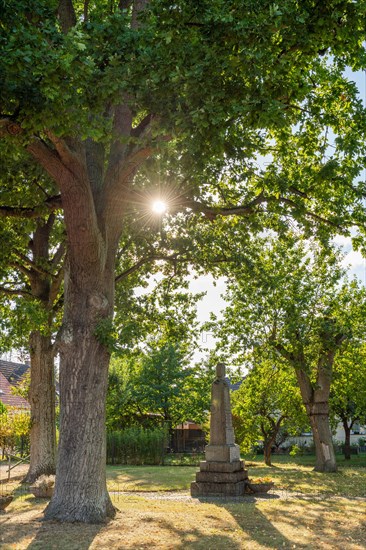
(8, 398)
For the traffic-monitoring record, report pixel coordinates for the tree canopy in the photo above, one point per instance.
(292, 300)
(91, 90)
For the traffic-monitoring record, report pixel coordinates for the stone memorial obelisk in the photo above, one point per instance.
(222, 473)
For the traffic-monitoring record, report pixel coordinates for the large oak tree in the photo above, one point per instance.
(92, 90)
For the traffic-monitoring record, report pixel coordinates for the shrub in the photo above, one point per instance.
(14, 431)
(296, 450)
(136, 446)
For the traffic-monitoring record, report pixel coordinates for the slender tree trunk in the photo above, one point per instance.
(270, 437)
(42, 401)
(347, 439)
(80, 490)
(268, 451)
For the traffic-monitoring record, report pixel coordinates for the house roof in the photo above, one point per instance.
(8, 398)
(13, 372)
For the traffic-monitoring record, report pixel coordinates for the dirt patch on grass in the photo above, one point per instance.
(173, 522)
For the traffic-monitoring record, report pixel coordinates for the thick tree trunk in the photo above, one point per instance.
(42, 401)
(347, 439)
(322, 436)
(317, 408)
(80, 490)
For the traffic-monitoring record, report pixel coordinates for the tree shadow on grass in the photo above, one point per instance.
(149, 478)
(193, 537)
(339, 522)
(56, 536)
(256, 527)
(23, 526)
(304, 521)
(31, 532)
(253, 524)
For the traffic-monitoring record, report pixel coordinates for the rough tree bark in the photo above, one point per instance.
(45, 286)
(316, 401)
(42, 401)
(315, 396)
(94, 196)
(80, 491)
(95, 183)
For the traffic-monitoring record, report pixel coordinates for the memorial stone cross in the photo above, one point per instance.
(222, 473)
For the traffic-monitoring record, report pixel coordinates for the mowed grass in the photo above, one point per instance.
(150, 478)
(289, 474)
(296, 474)
(305, 510)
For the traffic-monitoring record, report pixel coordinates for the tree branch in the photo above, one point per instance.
(141, 127)
(31, 212)
(58, 255)
(138, 7)
(14, 292)
(34, 266)
(307, 212)
(117, 191)
(16, 265)
(122, 126)
(8, 125)
(69, 158)
(50, 160)
(86, 11)
(133, 268)
(212, 212)
(55, 287)
(283, 351)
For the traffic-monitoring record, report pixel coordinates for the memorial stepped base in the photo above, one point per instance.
(220, 479)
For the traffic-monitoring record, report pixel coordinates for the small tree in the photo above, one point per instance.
(267, 401)
(31, 276)
(289, 300)
(348, 390)
(121, 409)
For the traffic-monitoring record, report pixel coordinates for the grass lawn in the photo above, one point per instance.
(150, 478)
(289, 474)
(305, 510)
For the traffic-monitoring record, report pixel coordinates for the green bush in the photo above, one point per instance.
(136, 446)
(296, 450)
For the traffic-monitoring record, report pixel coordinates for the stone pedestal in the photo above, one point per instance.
(222, 473)
(220, 479)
